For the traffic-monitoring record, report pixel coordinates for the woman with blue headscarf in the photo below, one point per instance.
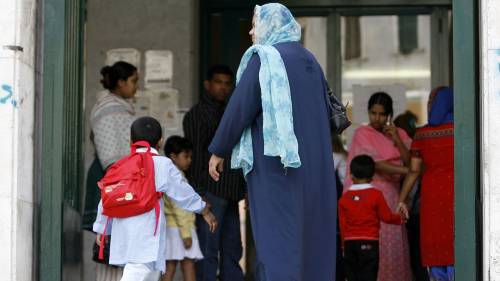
(432, 157)
(276, 129)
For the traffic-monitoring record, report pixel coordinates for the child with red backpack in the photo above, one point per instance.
(130, 208)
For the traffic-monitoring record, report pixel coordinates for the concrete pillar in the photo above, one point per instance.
(17, 72)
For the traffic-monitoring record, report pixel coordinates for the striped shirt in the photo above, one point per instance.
(200, 125)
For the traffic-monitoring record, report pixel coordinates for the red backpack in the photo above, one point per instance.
(128, 188)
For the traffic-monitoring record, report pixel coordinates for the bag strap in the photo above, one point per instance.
(157, 215)
(329, 93)
(134, 146)
(103, 236)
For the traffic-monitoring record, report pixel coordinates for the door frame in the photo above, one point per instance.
(48, 170)
(464, 63)
(58, 131)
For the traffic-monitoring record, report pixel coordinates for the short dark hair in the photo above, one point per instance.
(176, 145)
(146, 129)
(121, 70)
(362, 167)
(219, 69)
(408, 122)
(383, 99)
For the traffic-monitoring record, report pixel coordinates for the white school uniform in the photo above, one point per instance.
(132, 238)
(140, 272)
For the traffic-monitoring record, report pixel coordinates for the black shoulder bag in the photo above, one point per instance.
(338, 113)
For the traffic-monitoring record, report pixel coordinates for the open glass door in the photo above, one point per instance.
(405, 53)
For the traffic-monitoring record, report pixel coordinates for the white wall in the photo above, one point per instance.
(17, 27)
(490, 95)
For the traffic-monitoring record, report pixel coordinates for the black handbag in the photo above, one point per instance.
(95, 251)
(338, 113)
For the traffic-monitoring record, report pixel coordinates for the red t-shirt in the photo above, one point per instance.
(361, 209)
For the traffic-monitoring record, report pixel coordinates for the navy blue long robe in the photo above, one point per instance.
(293, 212)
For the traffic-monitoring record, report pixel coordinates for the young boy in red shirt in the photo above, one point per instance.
(361, 209)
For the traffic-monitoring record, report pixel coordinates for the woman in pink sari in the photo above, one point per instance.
(389, 148)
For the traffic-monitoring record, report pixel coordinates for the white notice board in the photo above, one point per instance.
(159, 66)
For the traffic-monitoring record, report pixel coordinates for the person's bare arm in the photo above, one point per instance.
(409, 183)
(385, 167)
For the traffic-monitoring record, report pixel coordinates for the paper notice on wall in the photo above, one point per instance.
(165, 107)
(129, 55)
(142, 103)
(161, 104)
(159, 66)
(361, 95)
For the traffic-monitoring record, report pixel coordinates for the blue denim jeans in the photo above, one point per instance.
(222, 250)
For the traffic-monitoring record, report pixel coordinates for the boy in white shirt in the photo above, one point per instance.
(134, 244)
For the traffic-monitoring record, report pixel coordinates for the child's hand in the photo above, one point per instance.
(188, 242)
(210, 219)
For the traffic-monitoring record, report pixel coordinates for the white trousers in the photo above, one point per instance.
(108, 273)
(140, 272)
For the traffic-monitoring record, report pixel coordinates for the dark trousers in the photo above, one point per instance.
(361, 260)
(339, 268)
(222, 250)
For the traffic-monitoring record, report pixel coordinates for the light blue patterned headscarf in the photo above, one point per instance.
(273, 24)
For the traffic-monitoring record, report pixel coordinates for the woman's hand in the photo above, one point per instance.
(403, 210)
(215, 167)
(392, 131)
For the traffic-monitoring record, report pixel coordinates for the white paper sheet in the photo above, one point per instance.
(142, 103)
(159, 69)
(129, 55)
(161, 104)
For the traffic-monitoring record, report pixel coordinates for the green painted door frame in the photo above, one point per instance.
(59, 164)
(467, 184)
(60, 106)
(50, 192)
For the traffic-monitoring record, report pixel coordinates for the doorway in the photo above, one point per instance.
(418, 56)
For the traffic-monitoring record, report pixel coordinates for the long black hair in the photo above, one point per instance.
(383, 99)
(119, 71)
